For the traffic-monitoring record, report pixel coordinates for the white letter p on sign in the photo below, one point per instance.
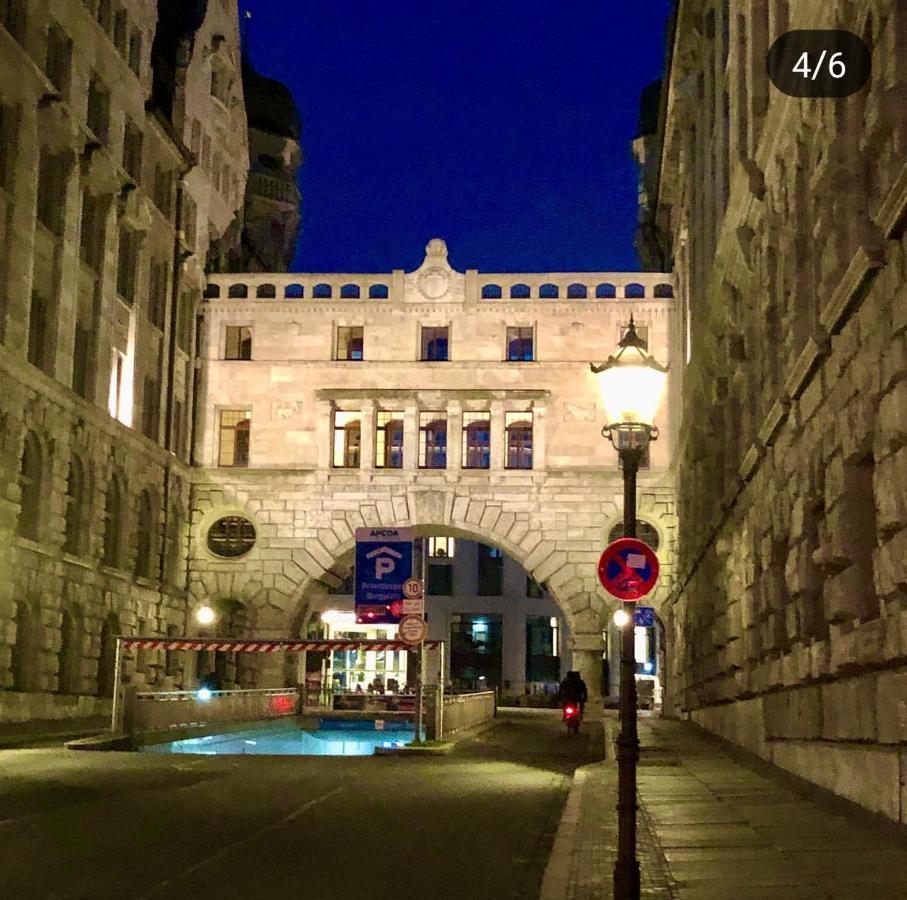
(384, 565)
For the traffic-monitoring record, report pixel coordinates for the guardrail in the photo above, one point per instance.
(462, 711)
(158, 711)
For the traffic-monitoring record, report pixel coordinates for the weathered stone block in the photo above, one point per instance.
(849, 594)
(891, 492)
(891, 705)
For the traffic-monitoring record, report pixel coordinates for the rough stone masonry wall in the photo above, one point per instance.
(790, 609)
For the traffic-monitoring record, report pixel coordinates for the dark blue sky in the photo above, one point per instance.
(502, 126)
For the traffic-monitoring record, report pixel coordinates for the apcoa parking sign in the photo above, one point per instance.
(384, 561)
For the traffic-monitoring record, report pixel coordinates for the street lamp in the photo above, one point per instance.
(204, 615)
(621, 617)
(631, 384)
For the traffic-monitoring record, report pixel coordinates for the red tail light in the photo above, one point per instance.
(569, 710)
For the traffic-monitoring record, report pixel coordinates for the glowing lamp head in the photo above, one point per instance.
(204, 615)
(632, 383)
(621, 618)
(203, 694)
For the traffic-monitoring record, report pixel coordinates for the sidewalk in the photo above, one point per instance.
(716, 823)
(54, 732)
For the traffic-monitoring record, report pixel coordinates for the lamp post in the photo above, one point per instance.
(631, 385)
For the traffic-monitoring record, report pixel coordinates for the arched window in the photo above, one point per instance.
(349, 292)
(549, 292)
(605, 291)
(634, 291)
(294, 292)
(645, 531)
(378, 292)
(212, 291)
(238, 291)
(518, 427)
(75, 507)
(476, 440)
(266, 292)
(69, 659)
(664, 290)
(113, 522)
(577, 291)
(26, 649)
(107, 657)
(491, 292)
(322, 291)
(520, 292)
(145, 536)
(30, 487)
(174, 557)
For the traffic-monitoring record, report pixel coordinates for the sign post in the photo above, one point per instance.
(384, 562)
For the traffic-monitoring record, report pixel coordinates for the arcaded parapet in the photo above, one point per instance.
(784, 218)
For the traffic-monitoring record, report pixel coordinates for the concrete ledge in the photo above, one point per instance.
(434, 748)
(102, 742)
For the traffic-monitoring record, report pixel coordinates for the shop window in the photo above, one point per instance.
(350, 342)
(518, 429)
(347, 440)
(476, 440)
(235, 428)
(389, 440)
(238, 342)
(435, 343)
(520, 344)
(432, 440)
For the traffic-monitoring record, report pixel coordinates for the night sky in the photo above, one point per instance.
(502, 126)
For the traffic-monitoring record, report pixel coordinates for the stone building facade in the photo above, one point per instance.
(123, 159)
(457, 403)
(784, 221)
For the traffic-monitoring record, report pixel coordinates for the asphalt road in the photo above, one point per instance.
(473, 825)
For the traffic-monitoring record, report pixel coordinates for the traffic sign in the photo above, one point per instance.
(628, 569)
(384, 561)
(413, 606)
(644, 616)
(412, 587)
(412, 630)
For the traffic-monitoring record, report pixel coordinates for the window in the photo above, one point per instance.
(440, 580)
(266, 292)
(294, 292)
(58, 62)
(549, 292)
(92, 231)
(115, 397)
(105, 15)
(75, 507)
(350, 342)
(98, 109)
(177, 435)
(30, 488)
(322, 291)
(642, 332)
(7, 143)
(107, 658)
(389, 440)
(12, 17)
(520, 292)
(491, 292)
(135, 55)
(490, 571)
(151, 407)
(664, 290)
(576, 292)
(238, 291)
(231, 536)
(476, 440)
(605, 291)
(173, 549)
(26, 652)
(133, 140)
(83, 359)
(435, 343)
(127, 264)
(239, 342)
(347, 440)
(40, 353)
(163, 190)
(145, 534)
(52, 174)
(212, 291)
(533, 589)
(432, 440)
(234, 437)
(519, 343)
(172, 657)
(120, 31)
(441, 547)
(634, 291)
(113, 518)
(518, 427)
(378, 292)
(69, 659)
(349, 292)
(158, 290)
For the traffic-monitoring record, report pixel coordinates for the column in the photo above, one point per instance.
(454, 435)
(514, 651)
(538, 435)
(587, 660)
(367, 435)
(498, 436)
(324, 433)
(411, 436)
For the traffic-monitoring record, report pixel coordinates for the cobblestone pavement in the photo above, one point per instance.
(716, 823)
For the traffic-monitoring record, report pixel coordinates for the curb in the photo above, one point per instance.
(556, 880)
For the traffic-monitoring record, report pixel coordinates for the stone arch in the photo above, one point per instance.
(69, 659)
(26, 651)
(110, 629)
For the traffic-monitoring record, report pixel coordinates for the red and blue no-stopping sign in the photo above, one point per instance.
(628, 569)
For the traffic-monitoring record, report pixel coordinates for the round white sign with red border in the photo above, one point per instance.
(412, 630)
(628, 569)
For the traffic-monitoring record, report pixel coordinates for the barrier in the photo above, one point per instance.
(462, 711)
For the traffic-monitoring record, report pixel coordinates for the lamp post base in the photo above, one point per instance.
(626, 880)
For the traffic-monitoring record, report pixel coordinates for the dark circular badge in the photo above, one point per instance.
(829, 63)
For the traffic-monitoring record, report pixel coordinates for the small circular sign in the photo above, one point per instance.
(412, 630)
(628, 569)
(412, 587)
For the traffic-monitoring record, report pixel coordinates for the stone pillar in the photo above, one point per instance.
(411, 437)
(367, 435)
(587, 660)
(538, 435)
(514, 651)
(454, 435)
(498, 435)
(324, 434)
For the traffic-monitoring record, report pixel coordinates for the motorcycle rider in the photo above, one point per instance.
(573, 690)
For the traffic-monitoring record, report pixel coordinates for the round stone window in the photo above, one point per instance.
(644, 531)
(231, 536)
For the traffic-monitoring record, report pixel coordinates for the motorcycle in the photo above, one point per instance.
(573, 717)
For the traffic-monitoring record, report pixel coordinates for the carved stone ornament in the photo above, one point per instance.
(434, 282)
(134, 211)
(57, 128)
(101, 176)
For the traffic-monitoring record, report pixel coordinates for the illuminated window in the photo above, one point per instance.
(435, 343)
(238, 342)
(518, 429)
(432, 440)
(441, 547)
(389, 440)
(476, 440)
(235, 425)
(350, 342)
(520, 344)
(347, 439)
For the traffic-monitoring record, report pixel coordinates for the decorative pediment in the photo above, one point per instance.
(435, 280)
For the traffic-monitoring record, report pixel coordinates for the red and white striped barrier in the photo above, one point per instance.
(239, 645)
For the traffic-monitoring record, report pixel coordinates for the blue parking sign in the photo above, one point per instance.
(384, 560)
